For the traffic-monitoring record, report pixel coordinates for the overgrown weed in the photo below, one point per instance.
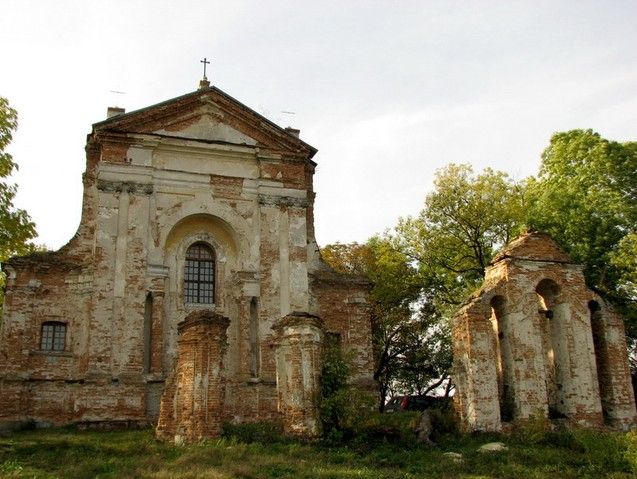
(78, 454)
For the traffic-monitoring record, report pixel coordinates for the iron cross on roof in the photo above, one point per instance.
(205, 62)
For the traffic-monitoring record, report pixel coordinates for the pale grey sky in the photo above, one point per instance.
(387, 91)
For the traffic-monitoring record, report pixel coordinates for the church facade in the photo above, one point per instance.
(194, 265)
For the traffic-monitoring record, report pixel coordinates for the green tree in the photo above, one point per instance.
(586, 197)
(397, 328)
(466, 219)
(624, 258)
(349, 258)
(16, 227)
(427, 266)
(426, 364)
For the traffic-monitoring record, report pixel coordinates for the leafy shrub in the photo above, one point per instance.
(343, 412)
(263, 432)
(444, 422)
(533, 430)
(335, 371)
(342, 407)
(347, 412)
(401, 428)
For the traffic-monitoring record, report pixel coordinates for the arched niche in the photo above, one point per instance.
(203, 224)
(220, 221)
(207, 230)
(222, 239)
(548, 291)
(550, 325)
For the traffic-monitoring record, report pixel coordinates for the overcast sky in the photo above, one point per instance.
(387, 91)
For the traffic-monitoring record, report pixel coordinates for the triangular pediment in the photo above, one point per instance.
(206, 127)
(211, 116)
(534, 246)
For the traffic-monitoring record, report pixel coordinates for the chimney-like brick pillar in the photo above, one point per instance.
(618, 399)
(298, 368)
(192, 401)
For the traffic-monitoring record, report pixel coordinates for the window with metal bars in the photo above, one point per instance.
(199, 274)
(53, 337)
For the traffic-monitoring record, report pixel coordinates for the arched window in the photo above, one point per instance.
(199, 274)
(53, 336)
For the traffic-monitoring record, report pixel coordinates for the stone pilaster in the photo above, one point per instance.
(157, 338)
(298, 368)
(192, 402)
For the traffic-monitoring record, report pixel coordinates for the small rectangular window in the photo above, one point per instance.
(53, 337)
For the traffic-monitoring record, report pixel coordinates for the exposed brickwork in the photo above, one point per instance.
(201, 168)
(299, 357)
(342, 302)
(535, 340)
(192, 402)
(225, 187)
(294, 173)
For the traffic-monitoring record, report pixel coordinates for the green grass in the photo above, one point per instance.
(62, 453)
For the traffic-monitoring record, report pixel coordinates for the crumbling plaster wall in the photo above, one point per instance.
(258, 230)
(26, 372)
(299, 358)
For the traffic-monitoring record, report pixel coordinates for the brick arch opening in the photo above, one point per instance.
(504, 354)
(551, 323)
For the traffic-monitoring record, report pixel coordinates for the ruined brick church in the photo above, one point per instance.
(193, 292)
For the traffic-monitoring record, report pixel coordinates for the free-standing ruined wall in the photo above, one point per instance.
(535, 341)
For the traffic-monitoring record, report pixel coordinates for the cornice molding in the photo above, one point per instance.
(108, 186)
